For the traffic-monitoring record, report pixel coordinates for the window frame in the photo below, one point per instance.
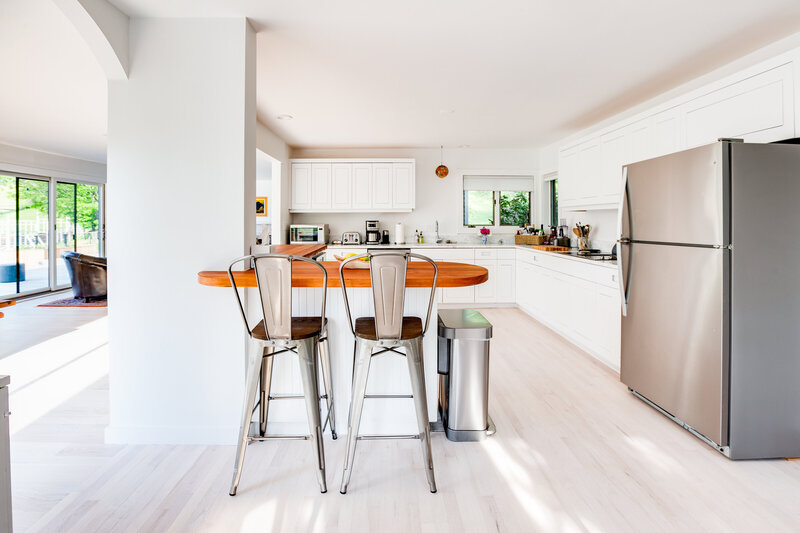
(496, 219)
(464, 211)
(498, 195)
(535, 195)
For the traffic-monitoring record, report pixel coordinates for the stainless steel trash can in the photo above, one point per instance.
(463, 366)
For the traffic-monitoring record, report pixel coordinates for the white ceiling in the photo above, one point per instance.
(53, 92)
(360, 73)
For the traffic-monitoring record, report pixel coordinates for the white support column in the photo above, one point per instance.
(181, 180)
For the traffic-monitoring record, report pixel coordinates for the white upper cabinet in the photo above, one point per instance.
(301, 186)
(754, 109)
(341, 186)
(667, 132)
(320, 186)
(382, 186)
(362, 186)
(338, 185)
(759, 106)
(403, 185)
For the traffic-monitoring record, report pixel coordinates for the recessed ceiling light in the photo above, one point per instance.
(284, 117)
(463, 146)
(447, 111)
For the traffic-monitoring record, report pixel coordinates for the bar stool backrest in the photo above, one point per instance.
(388, 269)
(388, 277)
(274, 278)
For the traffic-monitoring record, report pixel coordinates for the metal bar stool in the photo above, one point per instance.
(388, 331)
(280, 332)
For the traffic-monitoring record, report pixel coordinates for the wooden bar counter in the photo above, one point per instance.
(388, 373)
(304, 275)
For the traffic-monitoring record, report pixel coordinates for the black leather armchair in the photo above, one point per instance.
(88, 275)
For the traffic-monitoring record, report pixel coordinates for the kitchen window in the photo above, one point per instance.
(554, 202)
(498, 200)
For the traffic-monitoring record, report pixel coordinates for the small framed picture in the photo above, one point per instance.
(261, 206)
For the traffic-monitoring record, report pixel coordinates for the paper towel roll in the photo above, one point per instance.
(399, 233)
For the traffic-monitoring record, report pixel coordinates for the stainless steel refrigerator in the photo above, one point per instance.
(709, 260)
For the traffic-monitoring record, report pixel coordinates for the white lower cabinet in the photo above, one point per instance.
(5, 458)
(486, 292)
(582, 305)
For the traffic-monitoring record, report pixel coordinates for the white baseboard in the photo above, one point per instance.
(171, 435)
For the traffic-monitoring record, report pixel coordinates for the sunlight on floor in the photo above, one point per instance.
(657, 457)
(47, 374)
(521, 485)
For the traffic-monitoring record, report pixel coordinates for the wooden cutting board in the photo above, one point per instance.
(550, 248)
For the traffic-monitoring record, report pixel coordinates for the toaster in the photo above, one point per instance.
(351, 237)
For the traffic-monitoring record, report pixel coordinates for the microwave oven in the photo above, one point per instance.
(308, 234)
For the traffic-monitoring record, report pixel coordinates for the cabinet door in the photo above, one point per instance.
(614, 154)
(505, 281)
(486, 292)
(567, 175)
(403, 185)
(5, 463)
(320, 186)
(362, 186)
(341, 186)
(301, 186)
(667, 132)
(458, 295)
(758, 109)
(382, 186)
(588, 175)
(605, 332)
(640, 144)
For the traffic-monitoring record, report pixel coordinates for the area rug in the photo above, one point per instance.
(75, 302)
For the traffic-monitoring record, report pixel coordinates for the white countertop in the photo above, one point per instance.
(605, 264)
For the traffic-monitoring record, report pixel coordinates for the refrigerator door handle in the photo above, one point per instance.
(622, 242)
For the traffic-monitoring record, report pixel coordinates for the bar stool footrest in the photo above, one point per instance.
(278, 437)
(386, 437)
(384, 396)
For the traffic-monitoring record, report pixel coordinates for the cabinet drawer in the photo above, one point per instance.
(485, 253)
(506, 253)
(456, 255)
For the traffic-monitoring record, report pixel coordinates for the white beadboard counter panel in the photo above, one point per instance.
(388, 372)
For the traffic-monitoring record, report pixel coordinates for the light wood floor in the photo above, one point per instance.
(574, 451)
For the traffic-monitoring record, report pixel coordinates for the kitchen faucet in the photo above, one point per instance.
(436, 238)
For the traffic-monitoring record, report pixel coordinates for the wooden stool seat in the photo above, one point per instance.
(302, 328)
(365, 328)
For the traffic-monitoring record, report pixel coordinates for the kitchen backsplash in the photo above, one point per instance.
(603, 233)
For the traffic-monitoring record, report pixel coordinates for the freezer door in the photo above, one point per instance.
(677, 198)
(673, 347)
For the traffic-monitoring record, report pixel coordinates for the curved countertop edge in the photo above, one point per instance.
(305, 275)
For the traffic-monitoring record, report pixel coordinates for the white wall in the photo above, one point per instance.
(436, 199)
(181, 139)
(26, 161)
(264, 186)
(275, 147)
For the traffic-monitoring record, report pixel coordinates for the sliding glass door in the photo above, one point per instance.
(39, 219)
(8, 236)
(77, 224)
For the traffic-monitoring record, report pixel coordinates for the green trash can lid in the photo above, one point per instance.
(463, 324)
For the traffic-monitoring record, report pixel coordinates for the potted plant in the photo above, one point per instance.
(485, 234)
